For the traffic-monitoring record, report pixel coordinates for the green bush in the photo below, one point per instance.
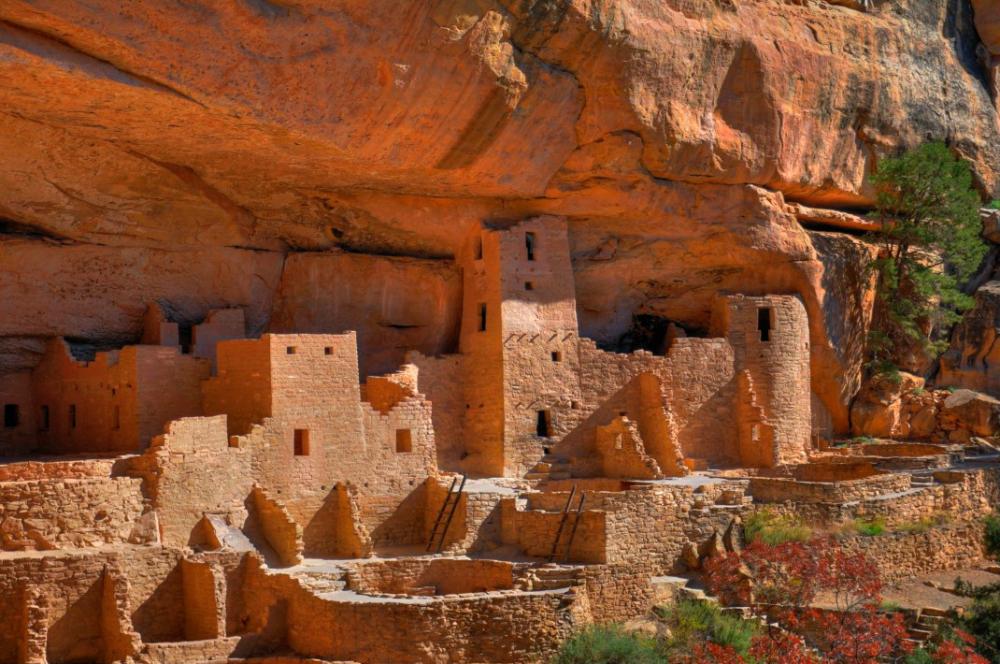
(608, 644)
(693, 623)
(924, 524)
(769, 528)
(992, 534)
(919, 656)
(995, 204)
(870, 527)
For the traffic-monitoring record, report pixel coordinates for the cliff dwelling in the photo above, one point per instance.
(445, 332)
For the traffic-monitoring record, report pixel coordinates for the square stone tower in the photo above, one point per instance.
(520, 340)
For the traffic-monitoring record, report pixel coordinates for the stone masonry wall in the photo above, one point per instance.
(15, 391)
(70, 513)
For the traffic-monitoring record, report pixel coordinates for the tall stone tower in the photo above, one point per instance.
(520, 340)
(770, 339)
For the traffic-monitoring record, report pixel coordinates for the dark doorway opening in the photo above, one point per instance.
(543, 426)
(11, 415)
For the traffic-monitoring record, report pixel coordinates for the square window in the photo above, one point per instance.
(11, 415)
(556, 356)
(291, 350)
(302, 442)
(328, 350)
(529, 285)
(404, 440)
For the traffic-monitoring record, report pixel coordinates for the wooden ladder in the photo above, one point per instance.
(562, 523)
(448, 501)
(576, 524)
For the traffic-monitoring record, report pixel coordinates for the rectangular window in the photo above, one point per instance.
(302, 442)
(479, 249)
(45, 419)
(543, 425)
(482, 317)
(404, 440)
(185, 336)
(328, 350)
(11, 415)
(116, 418)
(72, 416)
(529, 245)
(528, 285)
(764, 323)
(290, 350)
(556, 356)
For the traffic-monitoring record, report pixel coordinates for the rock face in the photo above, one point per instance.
(901, 408)
(973, 360)
(210, 154)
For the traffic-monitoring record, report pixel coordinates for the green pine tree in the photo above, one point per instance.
(929, 246)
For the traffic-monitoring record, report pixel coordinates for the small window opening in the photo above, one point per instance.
(529, 245)
(72, 416)
(45, 418)
(764, 323)
(404, 440)
(328, 350)
(11, 415)
(556, 356)
(543, 426)
(546, 450)
(302, 442)
(482, 317)
(291, 350)
(479, 249)
(116, 418)
(185, 335)
(529, 285)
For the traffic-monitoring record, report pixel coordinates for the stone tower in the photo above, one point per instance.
(519, 337)
(770, 339)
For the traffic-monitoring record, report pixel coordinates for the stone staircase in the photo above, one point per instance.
(550, 468)
(926, 623)
(921, 480)
(322, 582)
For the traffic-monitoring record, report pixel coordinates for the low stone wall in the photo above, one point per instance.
(433, 576)
(500, 627)
(780, 489)
(903, 555)
(967, 495)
